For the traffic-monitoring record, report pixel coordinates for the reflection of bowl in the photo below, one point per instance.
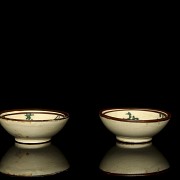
(33, 126)
(134, 125)
(134, 160)
(33, 160)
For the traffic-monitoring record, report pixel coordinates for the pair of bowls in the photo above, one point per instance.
(128, 125)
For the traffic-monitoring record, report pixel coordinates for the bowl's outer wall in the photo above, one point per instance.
(30, 129)
(133, 129)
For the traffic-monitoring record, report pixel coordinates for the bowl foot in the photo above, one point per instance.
(31, 141)
(133, 140)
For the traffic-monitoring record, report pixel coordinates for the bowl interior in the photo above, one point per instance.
(34, 115)
(135, 114)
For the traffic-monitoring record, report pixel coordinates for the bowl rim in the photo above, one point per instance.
(166, 113)
(33, 110)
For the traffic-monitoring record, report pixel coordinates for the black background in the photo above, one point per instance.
(84, 65)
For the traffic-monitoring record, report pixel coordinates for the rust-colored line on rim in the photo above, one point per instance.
(103, 112)
(34, 111)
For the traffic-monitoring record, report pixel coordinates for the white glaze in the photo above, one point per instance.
(142, 129)
(39, 127)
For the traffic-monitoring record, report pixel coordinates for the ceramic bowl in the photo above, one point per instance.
(126, 159)
(33, 160)
(134, 125)
(33, 126)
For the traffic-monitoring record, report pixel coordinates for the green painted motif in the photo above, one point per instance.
(131, 117)
(58, 117)
(28, 116)
(161, 115)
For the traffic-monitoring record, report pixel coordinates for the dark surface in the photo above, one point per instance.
(84, 140)
(93, 64)
(82, 87)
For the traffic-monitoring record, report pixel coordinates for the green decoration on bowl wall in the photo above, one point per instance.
(131, 117)
(28, 116)
(134, 125)
(40, 129)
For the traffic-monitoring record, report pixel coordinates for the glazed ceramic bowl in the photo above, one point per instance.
(126, 159)
(33, 126)
(27, 160)
(134, 125)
